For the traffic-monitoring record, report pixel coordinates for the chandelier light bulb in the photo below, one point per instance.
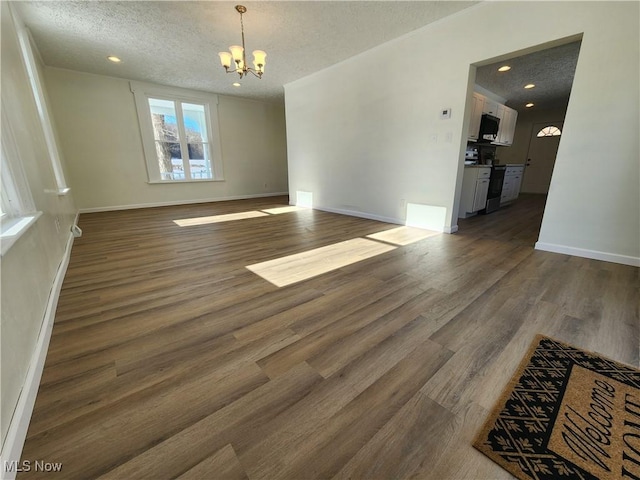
(259, 60)
(225, 59)
(236, 52)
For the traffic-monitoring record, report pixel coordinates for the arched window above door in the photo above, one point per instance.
(549, 131)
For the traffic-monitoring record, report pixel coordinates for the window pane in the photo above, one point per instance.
(170, 160)
(549, 131)
(199, 161)
(195, 123)
(163, 119)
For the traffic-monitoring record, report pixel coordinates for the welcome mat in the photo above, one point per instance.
(566, 413)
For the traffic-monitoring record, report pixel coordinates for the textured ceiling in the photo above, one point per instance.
(176, 43)
(550, 70)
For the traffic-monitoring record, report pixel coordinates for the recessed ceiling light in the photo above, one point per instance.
(529, 85)
(529, 105)
(504, 68)
(114, 59)
(236, 84)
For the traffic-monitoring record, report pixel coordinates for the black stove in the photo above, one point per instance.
(495, 188)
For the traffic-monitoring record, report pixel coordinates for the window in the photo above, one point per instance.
(179, 134)
(17, 210)
(549, 131)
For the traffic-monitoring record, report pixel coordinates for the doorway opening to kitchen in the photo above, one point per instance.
(517, 115)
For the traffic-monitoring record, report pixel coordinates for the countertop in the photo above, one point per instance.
(497, 164)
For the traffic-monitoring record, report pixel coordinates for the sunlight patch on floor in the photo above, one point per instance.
(278, 210)
(403, 235)
(190, 222)
(302, 266)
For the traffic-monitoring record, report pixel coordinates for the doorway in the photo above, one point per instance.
(541, 157)
(535, 85)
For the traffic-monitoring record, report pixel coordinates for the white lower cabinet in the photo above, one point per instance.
(475, 186)
(512, 183)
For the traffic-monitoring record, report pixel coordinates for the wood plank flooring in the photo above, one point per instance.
(170, 359)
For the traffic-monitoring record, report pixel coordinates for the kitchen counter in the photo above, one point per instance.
(496, 165)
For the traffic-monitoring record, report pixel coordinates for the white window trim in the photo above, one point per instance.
(28, 56)
(142, 92)
(14, 228)
(550, 132)
(16, 195)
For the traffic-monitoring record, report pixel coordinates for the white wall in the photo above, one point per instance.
(100, 136)
(365, 134)
(29, 267)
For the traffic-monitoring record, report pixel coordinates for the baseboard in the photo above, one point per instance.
(354, 213)
(17, 433)
(379, 218)
(594, 254)
(179, 202)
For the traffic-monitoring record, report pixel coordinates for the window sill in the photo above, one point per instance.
(14, 228)
(61, 192)
(173, 182)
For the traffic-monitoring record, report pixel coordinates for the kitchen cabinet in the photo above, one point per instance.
(476, 115)
(508, 117)
(490, 106)
(475, 186)
(512, 182)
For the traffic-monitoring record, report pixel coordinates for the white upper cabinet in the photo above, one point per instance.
(490, 107)
(476, 115)
(508, 116)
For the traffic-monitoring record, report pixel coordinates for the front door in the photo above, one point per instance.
(541, 158)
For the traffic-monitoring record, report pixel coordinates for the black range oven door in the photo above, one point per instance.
(495, 188)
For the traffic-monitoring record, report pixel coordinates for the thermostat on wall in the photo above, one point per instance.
(445, 113)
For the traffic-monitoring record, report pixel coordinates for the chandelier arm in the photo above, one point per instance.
(242, 73)
(257, 74)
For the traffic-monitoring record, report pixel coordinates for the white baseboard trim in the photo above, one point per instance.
(593, 254)
(354, 213)
(379, 218)
(179, 202)
(17, 433)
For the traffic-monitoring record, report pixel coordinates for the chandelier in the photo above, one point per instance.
(238, 56)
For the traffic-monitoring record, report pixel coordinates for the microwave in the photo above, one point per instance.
(489, 126)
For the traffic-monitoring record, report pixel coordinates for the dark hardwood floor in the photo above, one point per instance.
(169, 358)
